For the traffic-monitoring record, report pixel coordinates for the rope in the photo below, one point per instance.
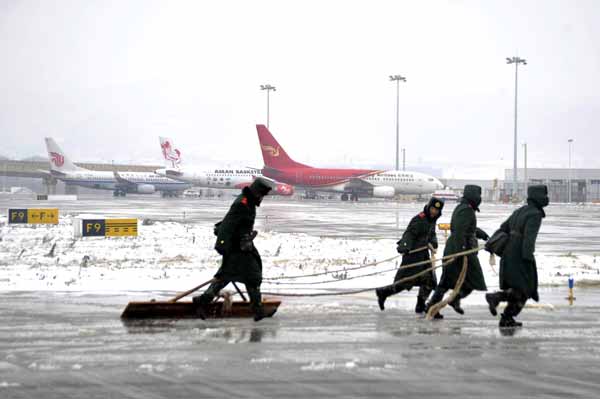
(409, 266)
(459, 282)
(343, 270)
(449, 258)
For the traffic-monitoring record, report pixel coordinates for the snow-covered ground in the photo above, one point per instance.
(174, 256)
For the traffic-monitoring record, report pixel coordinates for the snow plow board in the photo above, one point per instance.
(187, 310)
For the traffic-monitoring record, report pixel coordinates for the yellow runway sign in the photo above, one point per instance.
(121, 227)
(109, 228)
(33, 216)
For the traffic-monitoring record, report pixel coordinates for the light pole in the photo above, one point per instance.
(516, 61)
(569, 185)
(525, 167)
(268, 88)
(404, 159)
(397, 79)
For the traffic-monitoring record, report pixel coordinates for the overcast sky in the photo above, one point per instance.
(107, 78)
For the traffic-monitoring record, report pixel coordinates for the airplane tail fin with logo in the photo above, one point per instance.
(59, 161)
(273, 154)
(171, 155)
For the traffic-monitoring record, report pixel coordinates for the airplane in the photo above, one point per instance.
(351, 183)
(121, 183)
(219, 178)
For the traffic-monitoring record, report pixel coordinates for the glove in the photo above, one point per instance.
(246, 242)
(220, 247)
(482, 235)
(216, 228)
(402, 248)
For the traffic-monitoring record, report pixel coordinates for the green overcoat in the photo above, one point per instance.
(518, 269)
(419, 233)
(238, 265)
(463, 236)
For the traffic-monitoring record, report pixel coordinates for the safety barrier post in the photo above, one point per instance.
(571, 298)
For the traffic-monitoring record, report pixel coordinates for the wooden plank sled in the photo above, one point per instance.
(187, 310)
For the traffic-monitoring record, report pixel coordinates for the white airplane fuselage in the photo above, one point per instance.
(222, 178)
(105, 180)
(217, 178)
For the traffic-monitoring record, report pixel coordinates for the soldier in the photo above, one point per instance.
(518, 271)
(241, 260)
(419, 233)
(463, 236)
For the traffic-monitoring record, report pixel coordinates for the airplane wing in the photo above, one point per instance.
(170, 172)
(358, 184)
(48, 173)
(122, 182)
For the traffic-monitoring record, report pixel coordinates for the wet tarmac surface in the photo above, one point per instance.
(73, 345)
(567, 228)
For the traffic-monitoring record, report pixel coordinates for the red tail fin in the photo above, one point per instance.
(273, 154)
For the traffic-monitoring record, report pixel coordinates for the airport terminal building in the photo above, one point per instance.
(585, 183)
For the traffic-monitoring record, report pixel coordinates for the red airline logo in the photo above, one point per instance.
(170, 153)
(57, 159)
(274, 152)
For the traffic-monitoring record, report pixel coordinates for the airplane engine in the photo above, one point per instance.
(283, 189)
(383, 192)
(145, 189)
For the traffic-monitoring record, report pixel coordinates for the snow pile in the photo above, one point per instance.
(174, 256)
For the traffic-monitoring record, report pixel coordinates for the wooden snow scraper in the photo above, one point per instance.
(173, 309)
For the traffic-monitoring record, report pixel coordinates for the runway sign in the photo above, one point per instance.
(121, 227)
(109, 228)
(93, 227)
(33, 216)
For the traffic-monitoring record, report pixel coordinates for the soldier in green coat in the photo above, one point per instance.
(241, 260)
(463, 236)
(419, 233)
(518, 270)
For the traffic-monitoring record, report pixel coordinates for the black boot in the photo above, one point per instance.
(384, 292)
(199, 305)
(456, 305)
(509, 322)
(381, 297)
(494, 300)
(437, 316)
(437, 297)
(261, 314)
(420, 306)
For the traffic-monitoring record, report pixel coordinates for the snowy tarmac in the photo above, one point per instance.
(73, 345)
(61, 335)
(574, 228)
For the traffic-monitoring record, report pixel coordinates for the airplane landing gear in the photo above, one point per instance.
(119, 193)
(351, 197)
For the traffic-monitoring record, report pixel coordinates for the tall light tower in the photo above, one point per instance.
(268, 88)
(525, 166)
(397, 79)
(516, 61)
(569, 185)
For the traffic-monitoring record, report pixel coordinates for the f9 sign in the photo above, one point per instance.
(33, 216)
